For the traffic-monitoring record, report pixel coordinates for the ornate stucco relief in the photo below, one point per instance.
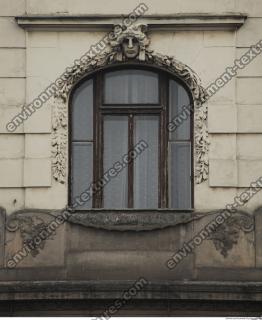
(33, 223)
(227, 234)
(59, 140)
(30, 224)
(129, 45)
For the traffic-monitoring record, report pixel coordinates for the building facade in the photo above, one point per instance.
(130, 157)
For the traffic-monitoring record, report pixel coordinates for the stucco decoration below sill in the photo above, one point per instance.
(132, 220)
(33, 223)
(117, 53)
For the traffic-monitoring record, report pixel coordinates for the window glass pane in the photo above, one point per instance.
(179, 175)
(146, 164)
(115, 147)
(82, 170)
(82, 113)
(131, 87)
(178, 99)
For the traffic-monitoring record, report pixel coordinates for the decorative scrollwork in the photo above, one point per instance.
(59, 141)
(130, 44)
(31, 222)
(136, 221)
(227, 234)
(31, 226)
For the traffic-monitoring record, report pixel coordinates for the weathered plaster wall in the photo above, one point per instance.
(12, 96)
(75, 252)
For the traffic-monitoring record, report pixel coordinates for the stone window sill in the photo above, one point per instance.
(132, 220)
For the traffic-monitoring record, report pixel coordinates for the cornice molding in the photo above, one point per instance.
(172, 22)
(177, 290)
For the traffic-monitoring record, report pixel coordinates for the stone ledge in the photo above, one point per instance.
(179, 290)
(173, 22)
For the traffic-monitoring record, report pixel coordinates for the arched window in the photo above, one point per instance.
(122, 153)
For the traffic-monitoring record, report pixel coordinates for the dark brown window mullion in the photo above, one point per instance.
(98, 140)
(163, 144)
(131, 163)
(137, 110)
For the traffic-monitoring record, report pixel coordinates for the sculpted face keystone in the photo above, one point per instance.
(130, 47)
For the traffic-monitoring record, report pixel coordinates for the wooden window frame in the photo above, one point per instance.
(100, 109)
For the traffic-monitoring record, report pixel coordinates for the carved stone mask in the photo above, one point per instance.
(130, 47)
